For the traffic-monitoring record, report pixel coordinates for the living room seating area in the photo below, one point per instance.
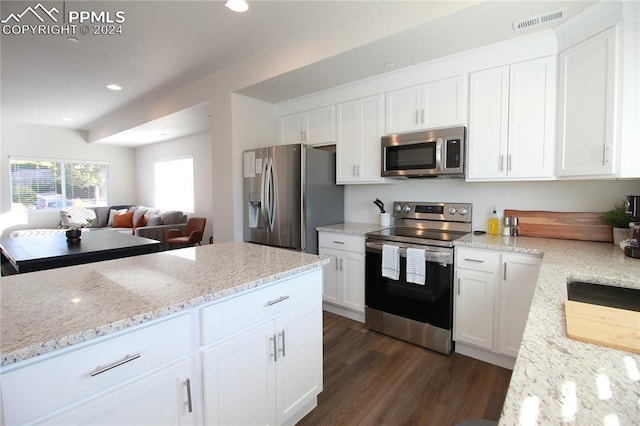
(141, 221)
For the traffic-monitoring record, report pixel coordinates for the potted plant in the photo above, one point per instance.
(619, 220)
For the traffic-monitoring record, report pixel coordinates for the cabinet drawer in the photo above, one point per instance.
(477, 260)
(229, 316)
(339, 241)
(42, 387)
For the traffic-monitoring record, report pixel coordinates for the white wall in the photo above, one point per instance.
(573, 196)
(199, 147)
(45, 142)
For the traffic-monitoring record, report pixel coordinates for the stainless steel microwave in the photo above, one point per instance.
(429, 153)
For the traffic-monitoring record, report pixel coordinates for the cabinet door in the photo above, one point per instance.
(488, 123)
(321, 126)
(403, 109)
(239, 379)
(299, 363)
(330, 273)
(370, 130)
(587, 106)
(532, 89)
(292, 128)
(443, 103)
(519, 278)
(162, 398)
(351, 273)
(475, 295)
(347, 142)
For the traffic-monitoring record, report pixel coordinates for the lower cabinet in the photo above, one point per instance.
(266, 374)
(493, 295)
(343, 277)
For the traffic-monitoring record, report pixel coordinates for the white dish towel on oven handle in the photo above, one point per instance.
(416, 266)
(390, 261)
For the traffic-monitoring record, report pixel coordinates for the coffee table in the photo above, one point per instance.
(38, 252)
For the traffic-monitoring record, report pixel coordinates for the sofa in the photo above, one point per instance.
(142, 221)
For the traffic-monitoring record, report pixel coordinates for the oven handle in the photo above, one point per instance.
(430, 256)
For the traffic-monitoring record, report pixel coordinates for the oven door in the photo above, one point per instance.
(430, 303)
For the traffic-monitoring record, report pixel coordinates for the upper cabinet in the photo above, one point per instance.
(358, 146)
(512, 121)
(436, 104)
(313, 127)
(587, 107)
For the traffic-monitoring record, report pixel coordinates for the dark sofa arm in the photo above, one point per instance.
(159, 233)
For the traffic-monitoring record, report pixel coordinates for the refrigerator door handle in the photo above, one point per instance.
(272, 195)
(263, 195)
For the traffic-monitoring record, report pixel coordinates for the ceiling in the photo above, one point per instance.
(165, 44)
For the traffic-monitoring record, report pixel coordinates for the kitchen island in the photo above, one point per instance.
(558, 380)
(198, 299)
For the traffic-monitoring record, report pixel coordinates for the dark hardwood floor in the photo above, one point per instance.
(373, 379)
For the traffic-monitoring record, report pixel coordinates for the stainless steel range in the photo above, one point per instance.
(409, 273)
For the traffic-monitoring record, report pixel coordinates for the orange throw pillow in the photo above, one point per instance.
(123, 220)
(142, 221)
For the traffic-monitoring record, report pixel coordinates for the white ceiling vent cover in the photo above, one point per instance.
(544, 18)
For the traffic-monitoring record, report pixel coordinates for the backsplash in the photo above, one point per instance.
(573, 196)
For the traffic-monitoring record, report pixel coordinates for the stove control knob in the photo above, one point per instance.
(398, 208)
(452, 210)
(407, 209)
(463, 211)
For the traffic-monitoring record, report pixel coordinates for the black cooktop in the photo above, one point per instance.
(417, 235)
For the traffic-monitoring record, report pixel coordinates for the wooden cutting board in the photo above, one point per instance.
(583, 226)
(602, 325)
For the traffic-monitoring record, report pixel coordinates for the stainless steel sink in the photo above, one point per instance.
(604, 295)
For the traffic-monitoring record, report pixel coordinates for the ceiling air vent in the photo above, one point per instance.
(544, 18)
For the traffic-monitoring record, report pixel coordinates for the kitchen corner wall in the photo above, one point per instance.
(573, 196)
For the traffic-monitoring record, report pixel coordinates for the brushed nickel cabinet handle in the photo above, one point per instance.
(505, 271)
(283, 350)
(458, 286)
(275, 347)
(187, 383)
(126, 359)
(473, 260)
(278, 300)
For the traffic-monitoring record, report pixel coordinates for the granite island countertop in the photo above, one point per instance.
(48, 310)
(558, 380)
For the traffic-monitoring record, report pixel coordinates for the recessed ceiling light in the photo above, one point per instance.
(67, 119)
(237, 5)
(73, 39)
(114, 86)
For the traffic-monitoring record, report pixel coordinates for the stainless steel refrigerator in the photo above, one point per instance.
(289, 190)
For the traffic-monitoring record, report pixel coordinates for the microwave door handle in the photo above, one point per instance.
(439, 148)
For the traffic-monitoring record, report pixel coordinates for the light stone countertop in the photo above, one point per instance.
(351, 228)
(48, 310)
(557, 380)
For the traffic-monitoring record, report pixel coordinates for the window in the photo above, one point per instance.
(174, 184)
(52, 184)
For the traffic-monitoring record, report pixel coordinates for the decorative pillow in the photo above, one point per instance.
(138, 213)
(153, 220)
(112, 213)
(171, 217)
(140, 223)
(76, 217)
(123, 220)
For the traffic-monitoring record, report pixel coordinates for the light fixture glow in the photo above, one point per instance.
(114, 86)
(388, 65)
(237, 5)
(67, 119)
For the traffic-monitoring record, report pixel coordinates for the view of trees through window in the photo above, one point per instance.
(57, 184)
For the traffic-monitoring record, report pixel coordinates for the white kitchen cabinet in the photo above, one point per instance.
(519, 277)
(358, 132)
(266, 374)
(476, 282)
(512, 122)
(136, 377)
(343, 277)
(587, 106)
(270, 370)
(493, 295)
(314, 127)
(436, 104)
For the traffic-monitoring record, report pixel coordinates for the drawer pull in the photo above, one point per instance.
(127, 358)
(278, 300)
(473, 260)
(187, 383)
(339, 242)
